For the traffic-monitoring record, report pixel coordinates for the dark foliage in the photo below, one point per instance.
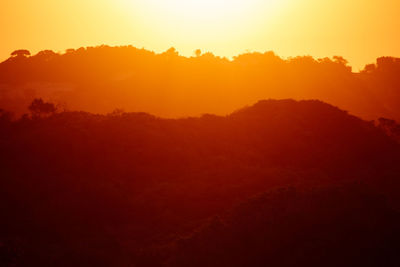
(390, 127)
(40, 108)
(347, 226)
(78, 189)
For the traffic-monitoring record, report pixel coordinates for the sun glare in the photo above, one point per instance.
(203, 20)
(202, 10)
(209, 10)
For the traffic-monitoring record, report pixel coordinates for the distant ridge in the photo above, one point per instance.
(99, 79)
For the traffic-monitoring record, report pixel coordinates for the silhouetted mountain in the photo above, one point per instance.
(79, 189)
(102, 78)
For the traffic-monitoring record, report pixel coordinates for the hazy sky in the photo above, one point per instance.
(359, 30)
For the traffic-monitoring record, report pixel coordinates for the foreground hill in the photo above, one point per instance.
(123, 189)
(343, 226)
(102, 78)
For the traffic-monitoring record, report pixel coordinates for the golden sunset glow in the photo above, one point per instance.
(206, 15)
(358, 30)
(209, 23)
(201, 133)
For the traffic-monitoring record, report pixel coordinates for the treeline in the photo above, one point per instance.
(132, 189)
(98, 79)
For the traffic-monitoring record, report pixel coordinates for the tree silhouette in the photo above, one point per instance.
(172, 51)
(370, 68)
(197, 52)
(21, 53)
(340, 60)
(39, 108)
(46, 55)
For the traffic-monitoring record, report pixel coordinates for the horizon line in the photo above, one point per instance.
(229, 58)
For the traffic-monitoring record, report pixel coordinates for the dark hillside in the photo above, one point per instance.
(120, 189)
(339, 226)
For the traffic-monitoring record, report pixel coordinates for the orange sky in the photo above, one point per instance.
(359, 30)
